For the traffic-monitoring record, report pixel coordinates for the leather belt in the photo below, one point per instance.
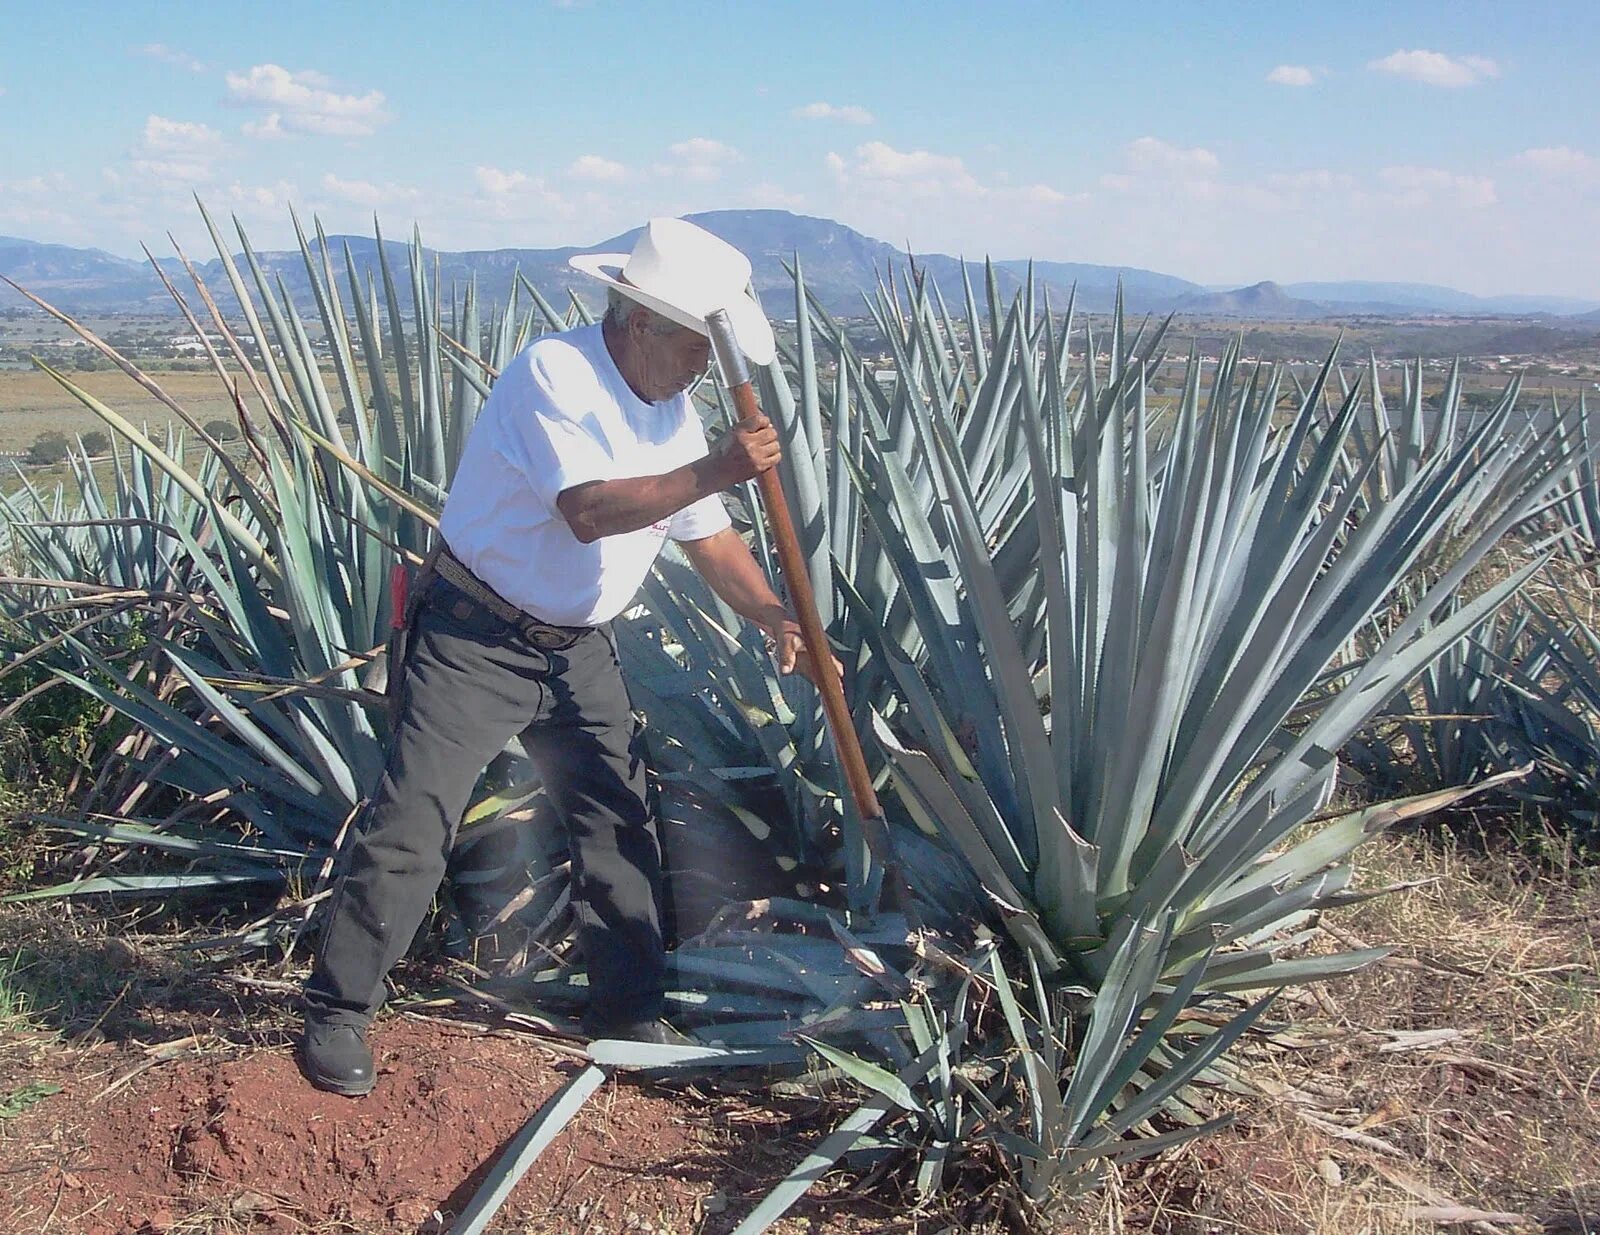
(453, 571)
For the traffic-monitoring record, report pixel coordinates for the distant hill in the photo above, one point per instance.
(840, 265)
(1143, 290)
(80, 278)
(1430, 298)
(1265, 301)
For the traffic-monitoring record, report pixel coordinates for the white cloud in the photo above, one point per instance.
(260, 197)
(882, 161)
(42, 208)
(269, 129)
(1292, 75)
(1315, 180)
(769, 196)
(361, 192)
(912, 187)
(921, 173)
(699, 159)
(1154, 156)
(176, 150)
(497, 182)
(169, 55)
(515, 197)
(1429, 186)
(827, 111)
(1044, 195)
(1561, 161)
(303, 102)
(1433, 68)
(161, 134)
(596, 167)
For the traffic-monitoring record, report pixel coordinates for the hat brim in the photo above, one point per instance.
(750, 325)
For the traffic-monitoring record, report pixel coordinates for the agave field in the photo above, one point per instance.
(1136, 683)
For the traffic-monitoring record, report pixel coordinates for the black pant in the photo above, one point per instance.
(472, 682)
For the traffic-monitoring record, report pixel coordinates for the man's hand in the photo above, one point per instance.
(788, 648)
(724, 561)
(599, 508)
(745, 451)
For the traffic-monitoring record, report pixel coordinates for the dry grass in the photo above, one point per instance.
(1462, 1072)
(32, 402)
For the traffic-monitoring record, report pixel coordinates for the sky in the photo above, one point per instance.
(1224, 142)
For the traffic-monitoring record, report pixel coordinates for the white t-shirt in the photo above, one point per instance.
(561, 415)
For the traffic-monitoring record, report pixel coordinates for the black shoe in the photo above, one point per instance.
(336, 1058)
(655, 1033)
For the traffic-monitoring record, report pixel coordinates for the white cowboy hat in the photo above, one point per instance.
(683, 272)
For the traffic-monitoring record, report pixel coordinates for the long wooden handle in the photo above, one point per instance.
(736, 375)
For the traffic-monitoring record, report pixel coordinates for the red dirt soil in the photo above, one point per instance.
(248, 1141)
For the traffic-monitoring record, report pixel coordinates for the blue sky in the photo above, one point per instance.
(1456, 143)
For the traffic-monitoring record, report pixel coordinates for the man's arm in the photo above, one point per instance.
(611, 507)
(724, 561)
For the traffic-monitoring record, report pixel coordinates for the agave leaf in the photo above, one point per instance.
(833, 1147)
(151, 885)
(870, 1076)
(213, 843)
(1268, 973)
(532, 1140)
(1173, 1079)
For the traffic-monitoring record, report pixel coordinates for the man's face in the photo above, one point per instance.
(670, 363)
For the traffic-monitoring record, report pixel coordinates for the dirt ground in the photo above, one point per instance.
(1453, 1087)
(238, 1141)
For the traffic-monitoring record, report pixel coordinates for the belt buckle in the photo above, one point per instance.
(549, 638)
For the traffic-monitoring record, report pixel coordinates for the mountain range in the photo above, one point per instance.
(839, 264)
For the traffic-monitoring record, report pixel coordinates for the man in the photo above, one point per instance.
(586, 456)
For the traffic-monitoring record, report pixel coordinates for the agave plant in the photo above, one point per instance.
(1521, 691)
(1577, 505)
(1450, 719)
(1548, 712)
(1103, 664)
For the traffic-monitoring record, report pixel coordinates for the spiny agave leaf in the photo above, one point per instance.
(1135, 963)
(269, 364)
(690, 964)
(1118, 1149)
(820, 1160)
(198, 842)
(1150, 1036)
(534, 1138)
(925, 791)
(870, 1076)
(243, 727)
(151, 885)
(1335, 840)
(179, 730)
(615, 1053)
(1275, 974)
(1173, 1079)
(1046, 1113)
